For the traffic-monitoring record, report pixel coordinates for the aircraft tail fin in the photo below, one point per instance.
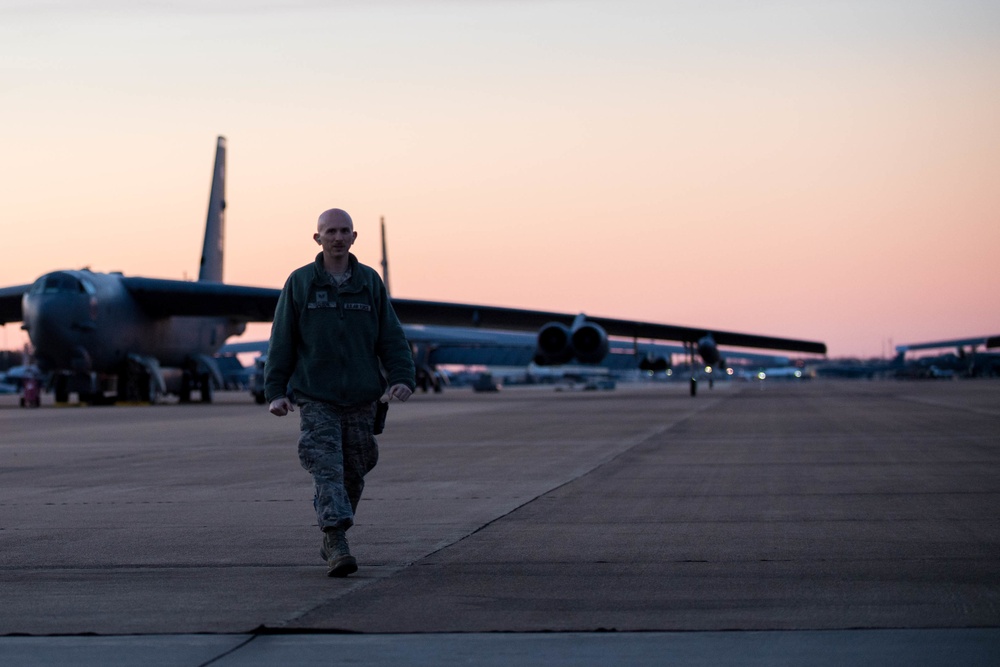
(211, 252)
(385, 259)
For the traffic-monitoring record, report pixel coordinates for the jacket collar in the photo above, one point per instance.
(321, 277)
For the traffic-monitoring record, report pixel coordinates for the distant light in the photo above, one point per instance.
(670, 372)
(708, 369)
(798, 374)
(761, 375)
(729, 371)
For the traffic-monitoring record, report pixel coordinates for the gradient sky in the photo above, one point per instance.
(825, 170)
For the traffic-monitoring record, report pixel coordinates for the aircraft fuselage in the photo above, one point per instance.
(84, 322)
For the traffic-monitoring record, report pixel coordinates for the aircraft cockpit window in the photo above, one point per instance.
(59, 283)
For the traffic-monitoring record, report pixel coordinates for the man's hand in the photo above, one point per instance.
(281, 406)
(397, 391)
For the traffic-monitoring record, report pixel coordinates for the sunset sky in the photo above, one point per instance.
(819, 170)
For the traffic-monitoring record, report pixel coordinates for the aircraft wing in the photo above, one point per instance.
(986, 341)
(492, 317)
(178, 298)
(242, 347)
(448, 345)
(168, 298)
(10, 303)
(472, 347)
(477, 347)
(491, 347)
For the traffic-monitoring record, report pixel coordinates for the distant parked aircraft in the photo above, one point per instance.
(959, 344)
(967, 360)
(107, 336)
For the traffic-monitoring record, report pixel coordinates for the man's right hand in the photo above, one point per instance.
(281, 406)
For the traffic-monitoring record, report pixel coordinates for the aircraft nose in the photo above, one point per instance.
(49, 320)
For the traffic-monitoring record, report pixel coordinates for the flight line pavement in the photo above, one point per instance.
(815, 522)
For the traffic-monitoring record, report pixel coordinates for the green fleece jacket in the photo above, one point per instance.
(327, 342)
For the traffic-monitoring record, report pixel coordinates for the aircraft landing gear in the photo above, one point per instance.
(205, 385)
(202, 382)
(61, 389)
(184, 394)
(689, 348)
(136, 384)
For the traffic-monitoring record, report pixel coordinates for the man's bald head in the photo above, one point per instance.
(334, 216)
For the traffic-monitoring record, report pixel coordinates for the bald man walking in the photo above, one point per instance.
(334, 332)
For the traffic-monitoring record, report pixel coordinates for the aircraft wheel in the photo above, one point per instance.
(62, 389)
(205, 382)
(133, 384)
(153, 391)
(94, 399)
(185, 393)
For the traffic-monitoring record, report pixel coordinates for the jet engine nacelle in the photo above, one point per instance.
(709, 351)
(590, 343)
(553, 347)
(558, 344)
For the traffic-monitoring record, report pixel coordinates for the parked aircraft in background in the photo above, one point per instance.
(107, 336)
(564, 338)
(481, 335)
(437, 346)
(967, 360)
(962, 345)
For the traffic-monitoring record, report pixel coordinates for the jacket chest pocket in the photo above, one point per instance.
(358, 316)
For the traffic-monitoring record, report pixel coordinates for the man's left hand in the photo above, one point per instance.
(398, 391)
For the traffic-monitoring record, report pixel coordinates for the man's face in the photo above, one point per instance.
(336, 236)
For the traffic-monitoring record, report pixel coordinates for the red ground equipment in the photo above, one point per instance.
(31, 395)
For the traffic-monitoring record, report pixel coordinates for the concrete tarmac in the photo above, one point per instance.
(820, 522)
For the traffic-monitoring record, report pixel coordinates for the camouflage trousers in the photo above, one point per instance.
(337, 446)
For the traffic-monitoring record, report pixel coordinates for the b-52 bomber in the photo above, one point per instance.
(111, 337)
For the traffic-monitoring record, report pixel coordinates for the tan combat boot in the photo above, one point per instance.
(336, 553)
